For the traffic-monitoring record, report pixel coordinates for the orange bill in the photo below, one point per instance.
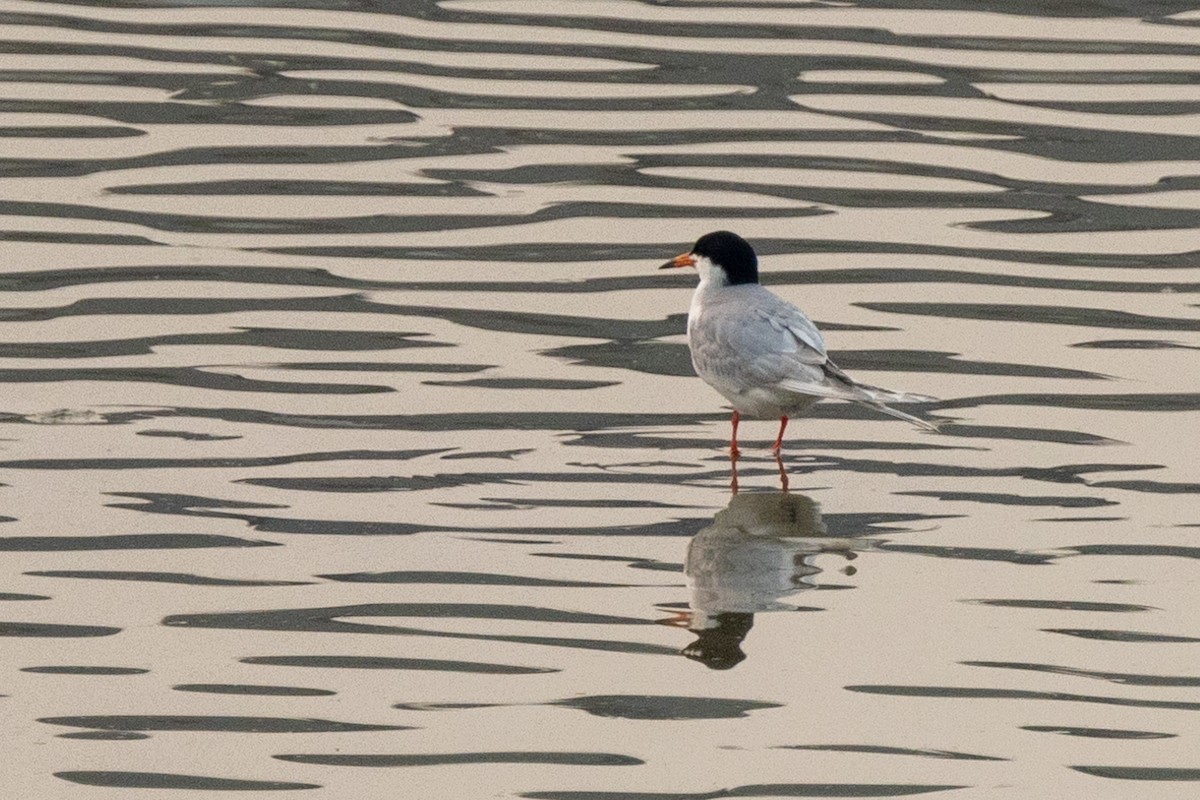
(681, 260)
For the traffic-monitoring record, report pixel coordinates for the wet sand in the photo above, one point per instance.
(351, 444)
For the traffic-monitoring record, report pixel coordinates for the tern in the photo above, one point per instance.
(761, 352)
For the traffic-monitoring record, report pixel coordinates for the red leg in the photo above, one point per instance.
(783, 478)
(779, 439)
(733, 481)
(733, 448)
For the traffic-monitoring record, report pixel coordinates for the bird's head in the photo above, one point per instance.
(722, 259)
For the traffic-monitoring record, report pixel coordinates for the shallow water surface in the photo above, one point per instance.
(351, 446)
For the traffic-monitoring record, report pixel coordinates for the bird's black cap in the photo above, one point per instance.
(720, 647)
(730, 252)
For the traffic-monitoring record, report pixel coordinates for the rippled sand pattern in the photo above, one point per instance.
(351, 446)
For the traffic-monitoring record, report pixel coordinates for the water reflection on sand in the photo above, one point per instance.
(350, 437)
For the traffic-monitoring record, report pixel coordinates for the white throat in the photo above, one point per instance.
(712, 278)
(711, 275)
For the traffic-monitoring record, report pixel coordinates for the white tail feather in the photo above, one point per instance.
(920, 423)
(888, 396)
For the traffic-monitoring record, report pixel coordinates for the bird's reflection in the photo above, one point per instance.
(759, 549)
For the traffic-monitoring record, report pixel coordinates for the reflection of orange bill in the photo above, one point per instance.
(678, 619)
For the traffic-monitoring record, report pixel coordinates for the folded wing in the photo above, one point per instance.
(812, 373)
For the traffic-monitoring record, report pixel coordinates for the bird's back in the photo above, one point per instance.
(746, 340)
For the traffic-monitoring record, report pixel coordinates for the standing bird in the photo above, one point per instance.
(760, 351)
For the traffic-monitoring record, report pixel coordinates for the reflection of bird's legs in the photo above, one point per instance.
(777, 449)
(779, 439)
(733, 448)
(733, 452)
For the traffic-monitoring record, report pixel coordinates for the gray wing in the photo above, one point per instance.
(798, 336)
(758, 339)
(753, 338)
